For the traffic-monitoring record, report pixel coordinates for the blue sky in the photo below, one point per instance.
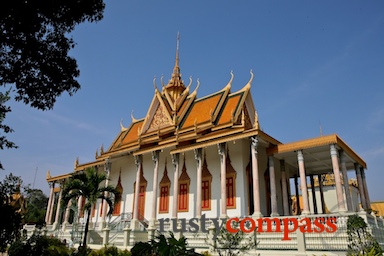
(314, 62)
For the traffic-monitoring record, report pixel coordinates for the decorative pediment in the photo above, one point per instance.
(184, 175)
(205, 172)
(165, 180)
(158, 115)
(119, 187)
(230, 170)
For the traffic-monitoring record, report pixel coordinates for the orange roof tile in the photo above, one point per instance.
(230, 108)
(117, 141)
(132, 133)
(201, 110)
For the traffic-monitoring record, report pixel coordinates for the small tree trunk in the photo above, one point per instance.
(86, 230)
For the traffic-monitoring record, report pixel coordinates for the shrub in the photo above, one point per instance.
(39, 245)
(360, 240)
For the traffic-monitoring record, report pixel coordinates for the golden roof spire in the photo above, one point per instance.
(177, 69)
(175, 86)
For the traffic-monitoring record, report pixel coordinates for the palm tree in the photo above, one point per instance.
(90, 185)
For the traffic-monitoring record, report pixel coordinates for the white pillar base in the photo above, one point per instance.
(54, 225)
(256, 215)
(152, 223)
(135, 225)
(275, 214)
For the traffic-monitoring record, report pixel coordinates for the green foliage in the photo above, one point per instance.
(109, 251)
(39, 245)
(4, 143)
(10, 221)
(88, 184)
(229, 244)
(360, 240)
(163, 246)
(36, 204)
(34, 45)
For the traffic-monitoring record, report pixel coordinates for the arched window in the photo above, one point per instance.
(184, 182)
(142, 192)
(164, 187)
(206, 187)
(230, 184)
(118, 196)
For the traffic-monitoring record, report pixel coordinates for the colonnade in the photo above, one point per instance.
(338, 163)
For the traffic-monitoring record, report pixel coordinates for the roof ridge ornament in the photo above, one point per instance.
(190, 82)
(229, 84)
(122, 128)
(251, 79)
(162, 82)
(133, 118)
(197, 87)
(154, 83)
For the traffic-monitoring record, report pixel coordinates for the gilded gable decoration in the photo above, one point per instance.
(159, 119)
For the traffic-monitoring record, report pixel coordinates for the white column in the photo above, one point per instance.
(107, 169)
(313, 190)
(58, 207)
(284, 188)
(303, 183)
(223, 179)
(319, 177)
(272, 181)
(175, 162)
(368, 201)
(49, 208)
(361, 187)
(155, 159)
(79, 205)
(345, 180)
(198, 157)
(255, 178)
(135, 219)
(67, 212)
(336, 172)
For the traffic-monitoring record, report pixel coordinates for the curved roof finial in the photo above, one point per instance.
(154, 83)
(133, 119)
(231, 80)
(197, 87)
(162, 81)
(190, 82)
(121, 125)
(251, 79)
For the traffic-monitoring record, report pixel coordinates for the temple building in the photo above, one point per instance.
(192, 156)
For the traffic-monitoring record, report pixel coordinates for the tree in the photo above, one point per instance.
(89, 185)
(4, 143)
(34, 45)
(11, 219)
(36, 204)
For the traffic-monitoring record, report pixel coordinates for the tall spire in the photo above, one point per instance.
(177, 54)
(175, 86)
